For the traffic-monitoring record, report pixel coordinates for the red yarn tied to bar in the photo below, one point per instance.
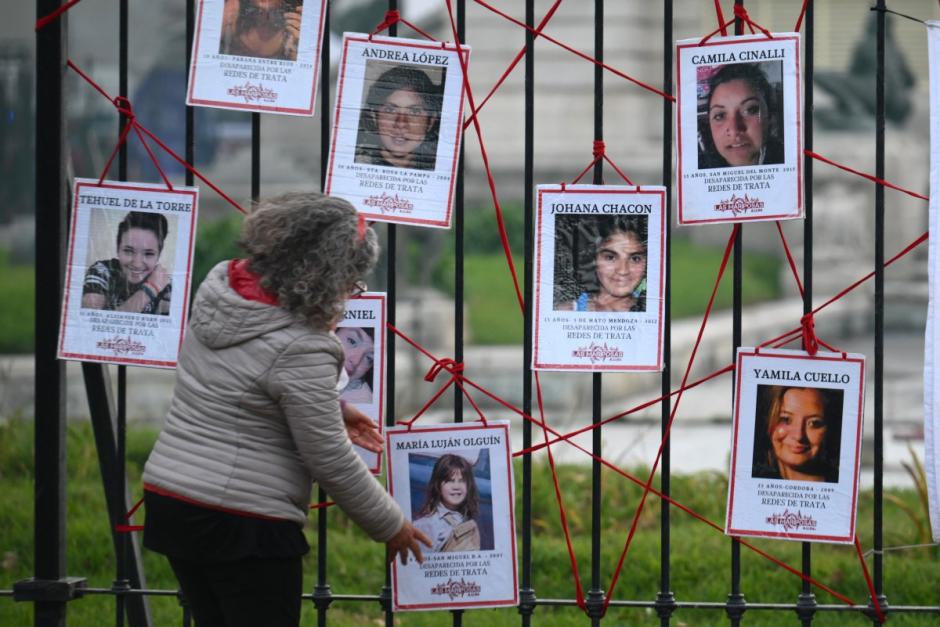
(455, 368)
(392, 17)
(599, 149)
(810, 342)
(740, 13)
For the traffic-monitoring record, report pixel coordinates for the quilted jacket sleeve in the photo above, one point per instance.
(303, 382)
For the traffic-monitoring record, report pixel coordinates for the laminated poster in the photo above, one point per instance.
(362, 334)
(738, 116)
(932, 339)
(599, 278)
(257, 55)
(128, 274)
(795, 450)
(397, 128)
(455, 483)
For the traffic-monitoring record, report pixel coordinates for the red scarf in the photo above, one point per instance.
(248, 284)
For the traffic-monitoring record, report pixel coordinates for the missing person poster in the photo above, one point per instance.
(455, 483)
(397, 129)
(738, 116)
(128, 273)
(796, 444)
(932, 339)
(362, 334)
(257, 55)
(599, 280)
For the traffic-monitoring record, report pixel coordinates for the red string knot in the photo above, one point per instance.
(392, 17)
(810, 343)
(123, 106)
(599, 148)
(455, 368)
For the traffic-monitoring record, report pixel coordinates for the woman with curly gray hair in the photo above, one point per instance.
(255, 419)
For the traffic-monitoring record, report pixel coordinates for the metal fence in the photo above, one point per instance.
(51, 589)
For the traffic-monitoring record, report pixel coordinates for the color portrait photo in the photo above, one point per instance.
(738, 129)
(397, 128)
(128, 273)
(455, 483)
(796, 445)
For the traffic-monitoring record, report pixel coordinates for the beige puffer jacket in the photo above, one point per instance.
(255, 417)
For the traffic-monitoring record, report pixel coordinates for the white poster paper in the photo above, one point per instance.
(931, 340)
(455, 483)
(128, 274)
(599, 280)
(362, 334)
(796, 446)
(256, 55)
(397, 128)
(738, 116)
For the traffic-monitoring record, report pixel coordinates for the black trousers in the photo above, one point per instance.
(251, 592)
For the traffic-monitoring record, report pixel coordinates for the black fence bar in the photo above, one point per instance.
(736, 603)
(51, 194)
(527, 599)
(878, 514)
(595, 595)
(806, 600)
(665, 599)
(322, 592)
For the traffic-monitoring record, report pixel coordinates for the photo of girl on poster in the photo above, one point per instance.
(134, 280)
(600, 263)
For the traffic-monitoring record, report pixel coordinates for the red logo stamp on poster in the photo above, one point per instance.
(792, 520)
(122, 346)
(253, 93)
(598, 352)
(454, 589)
(740, 205)
(389, 204)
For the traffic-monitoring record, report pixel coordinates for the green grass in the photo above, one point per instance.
(699, 563)
(17, 309)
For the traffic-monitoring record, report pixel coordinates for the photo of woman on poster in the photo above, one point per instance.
(400, 119)
(740, 115)
(798, 433)
(135, 281)
(608, 261)
(451, 506)
(265, 29)
(359, 347)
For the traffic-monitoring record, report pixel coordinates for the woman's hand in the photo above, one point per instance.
(406, 540)
(361, 429)
(159, 278)
(292, 21)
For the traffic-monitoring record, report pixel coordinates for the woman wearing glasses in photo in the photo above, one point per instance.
(400, 121)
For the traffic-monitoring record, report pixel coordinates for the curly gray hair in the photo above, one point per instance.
(308, 251)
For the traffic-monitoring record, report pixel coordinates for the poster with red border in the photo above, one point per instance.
(599, 278)
(251, 58)
(127, 281)
(455, 482)
(796, 445)
(738, 129)
(362, 334)
(397, 128)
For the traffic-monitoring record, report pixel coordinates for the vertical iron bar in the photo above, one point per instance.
(49, 399)
(806, 601)
(665, 599)
(322, 593)
(121, 584)
(391, 289)
(255, 157)
(190, 111)
(595, 597)
(878, 531)
(526, 591)
(736, 602)
(458, 263)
